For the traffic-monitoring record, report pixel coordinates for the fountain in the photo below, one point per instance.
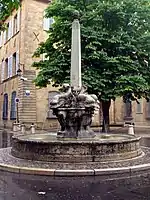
(75, 147)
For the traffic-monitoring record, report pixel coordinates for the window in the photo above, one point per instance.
(148, 109)
(10, 65)
(6, 69)
(14, 63)
(5, 107)
(17, 62)
(47, 23)
(13, 106)
(15, 29)
(50, 97)
(7, 32)
(139, 106)
(3, 70)
(128, 110)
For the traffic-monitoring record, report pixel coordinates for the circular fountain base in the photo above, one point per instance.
(101, 148)
(104, 155)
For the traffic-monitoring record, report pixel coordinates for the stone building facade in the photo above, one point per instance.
(20, 100)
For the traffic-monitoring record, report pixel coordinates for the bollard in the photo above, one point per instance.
(32, 128)
(16, 127)
(130, 130)
(23, 128)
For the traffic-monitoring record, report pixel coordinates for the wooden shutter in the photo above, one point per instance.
(18, 20)
(17, 60)
(51, 21)
(1, 39)
(3, 70)
(5, 107)
(13, 106)
(12, 27)
(45, 23)
(9, 30)
(1, 73)
(10, 66)
(4, 36)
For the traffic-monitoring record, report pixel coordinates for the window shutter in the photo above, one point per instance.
(5, 107)
(8, 73)
(18, 20)
(45, 23)
(12, 27)
(0, 39)
(51, 21)
(3, 70)
(9, 30)
(17, 60)
(1, 75)
(13, 106)
(4, 36)
(10, 66)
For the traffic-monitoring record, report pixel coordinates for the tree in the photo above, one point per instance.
(6, 7)
(115, 37)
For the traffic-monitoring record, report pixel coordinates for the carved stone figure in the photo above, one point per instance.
(74, 110)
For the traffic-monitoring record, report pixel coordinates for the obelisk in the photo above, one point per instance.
(76, 56)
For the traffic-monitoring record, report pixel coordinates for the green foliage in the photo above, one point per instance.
(115, 37)
(6, 7)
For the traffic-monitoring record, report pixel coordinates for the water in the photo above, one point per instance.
(52, 137)
(26, 187)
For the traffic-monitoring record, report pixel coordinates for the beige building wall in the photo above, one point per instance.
(25, 41)
(9, 84)
(140, 112)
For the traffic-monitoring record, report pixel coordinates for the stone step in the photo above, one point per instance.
(28, 105)
(28, 120)
(28, 114)
(30, 100)
(33, 72)
(28, 117)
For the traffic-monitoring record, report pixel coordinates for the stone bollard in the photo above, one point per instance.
(16, 127)
(130, 130)
(32, 129)
(23, 128)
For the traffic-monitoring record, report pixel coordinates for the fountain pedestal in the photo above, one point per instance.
(75, 122)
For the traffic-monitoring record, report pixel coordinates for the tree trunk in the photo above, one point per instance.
(105, 110)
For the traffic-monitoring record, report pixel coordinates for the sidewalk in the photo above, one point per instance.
(139, 130)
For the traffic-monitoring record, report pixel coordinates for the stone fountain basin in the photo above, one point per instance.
(102, 148)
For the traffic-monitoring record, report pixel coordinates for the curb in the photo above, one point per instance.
(89, 172)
